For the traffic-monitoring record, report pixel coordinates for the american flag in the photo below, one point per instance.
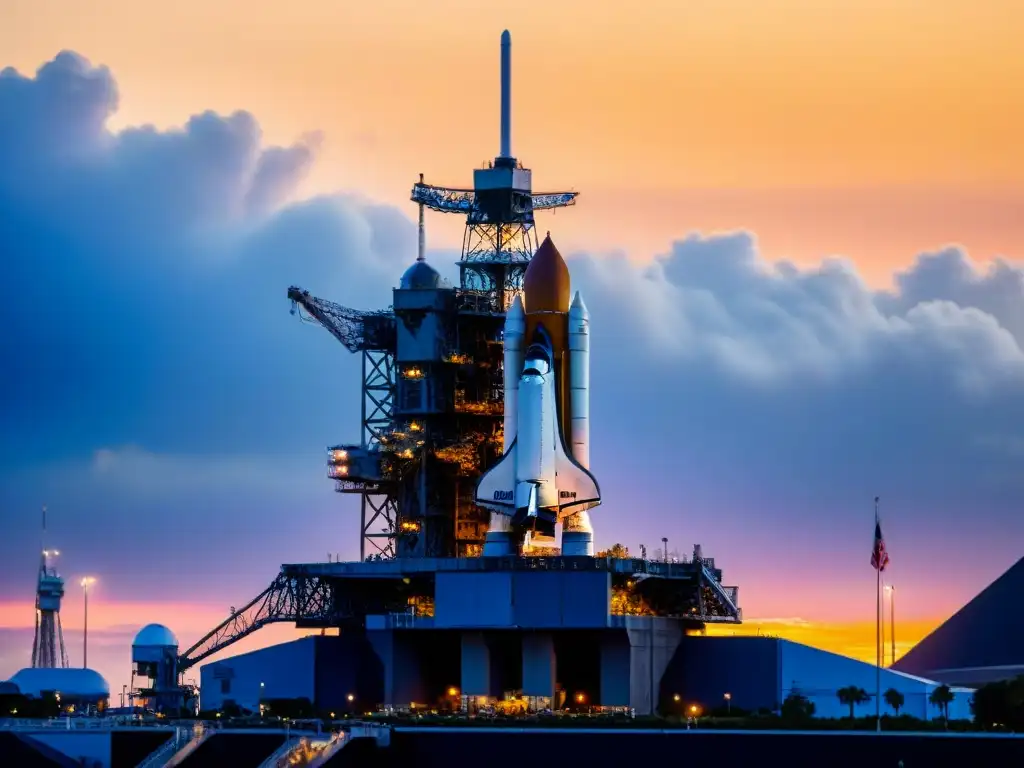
(879, 557)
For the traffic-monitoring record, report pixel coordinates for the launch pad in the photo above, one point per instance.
(493, 625)
(475, 450)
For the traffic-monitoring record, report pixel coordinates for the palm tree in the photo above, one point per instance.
(941, 698)
(851, 695)
(895, 700)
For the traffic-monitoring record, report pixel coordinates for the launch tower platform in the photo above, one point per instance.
(527, 624)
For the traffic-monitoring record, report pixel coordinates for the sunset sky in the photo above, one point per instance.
(803, 220)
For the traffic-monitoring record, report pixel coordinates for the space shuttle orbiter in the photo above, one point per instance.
(543, 478)
(537, 483)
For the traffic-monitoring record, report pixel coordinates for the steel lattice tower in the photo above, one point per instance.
(49, 635)
(498, 244)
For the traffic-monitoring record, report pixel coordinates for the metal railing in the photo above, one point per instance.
(328, 750)
(75, 723)
(170, 749)
(280, 757)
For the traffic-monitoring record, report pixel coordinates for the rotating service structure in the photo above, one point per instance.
(433, 365)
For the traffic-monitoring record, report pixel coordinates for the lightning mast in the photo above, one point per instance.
(499, 240)
(49, 592)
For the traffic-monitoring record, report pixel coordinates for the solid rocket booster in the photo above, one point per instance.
(515, 330)
(577, 531)
(579, 379)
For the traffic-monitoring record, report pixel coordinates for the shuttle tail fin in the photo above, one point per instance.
(577, 488)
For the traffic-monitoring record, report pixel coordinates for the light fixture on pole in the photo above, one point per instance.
(86, 583)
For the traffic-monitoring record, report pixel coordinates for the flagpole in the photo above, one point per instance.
(878, 637)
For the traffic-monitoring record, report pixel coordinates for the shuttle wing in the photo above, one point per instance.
(496, 489)
(577, 488)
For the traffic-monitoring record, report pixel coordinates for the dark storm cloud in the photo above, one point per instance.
(154, 391)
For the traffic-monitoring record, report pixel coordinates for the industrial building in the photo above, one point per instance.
(336, 673)
(760, 672)
(972, 647)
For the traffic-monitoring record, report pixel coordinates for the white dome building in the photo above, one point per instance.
(155, 668)
(75, 688)
(155, 636)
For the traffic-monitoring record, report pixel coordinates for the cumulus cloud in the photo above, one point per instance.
(752, 406)
(715, 301)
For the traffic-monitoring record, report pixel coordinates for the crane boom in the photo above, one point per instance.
(358, 330)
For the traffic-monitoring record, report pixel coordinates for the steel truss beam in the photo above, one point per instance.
(378, 505)
(304, 599)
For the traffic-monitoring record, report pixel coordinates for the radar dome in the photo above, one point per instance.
(421, 276)
(155, 635)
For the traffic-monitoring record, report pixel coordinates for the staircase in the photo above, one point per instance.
(176, 748)
(329, 750)
(281, 757)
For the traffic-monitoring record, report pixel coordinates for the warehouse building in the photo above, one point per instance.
(752, 673)
(334, 673)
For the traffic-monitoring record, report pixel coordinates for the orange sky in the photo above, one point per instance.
(872, 129)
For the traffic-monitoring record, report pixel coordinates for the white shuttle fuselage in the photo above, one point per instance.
(537, 482)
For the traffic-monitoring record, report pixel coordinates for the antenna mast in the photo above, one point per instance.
(49, 635)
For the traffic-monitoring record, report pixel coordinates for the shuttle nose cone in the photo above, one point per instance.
(546, 282)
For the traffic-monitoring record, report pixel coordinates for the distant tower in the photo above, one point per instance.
(49, 634)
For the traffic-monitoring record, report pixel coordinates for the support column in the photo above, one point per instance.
(653, 643)
(403, 683)
(538, 664)
(615, 669)
(477, 677)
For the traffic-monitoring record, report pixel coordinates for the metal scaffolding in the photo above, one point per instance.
(373, 334)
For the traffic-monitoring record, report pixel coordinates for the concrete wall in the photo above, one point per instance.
(707, 668)
(615, 657)
(523, 599)
(403, 678)
(95, 747)
(653, 646)
(344, 665)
